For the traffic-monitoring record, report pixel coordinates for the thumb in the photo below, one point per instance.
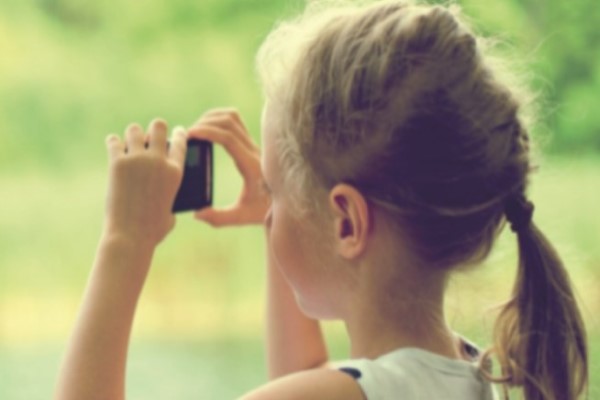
(218, 218)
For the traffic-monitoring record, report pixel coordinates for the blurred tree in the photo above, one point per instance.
(570, 60)
(72, 13)
(68, 68)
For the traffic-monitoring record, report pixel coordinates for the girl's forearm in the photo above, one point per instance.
(94, 365)
(294, 341)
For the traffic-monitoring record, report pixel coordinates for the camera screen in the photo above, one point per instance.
(193, 156)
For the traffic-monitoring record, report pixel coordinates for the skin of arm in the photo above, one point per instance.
(294, 341)
(94, 367)
(142, 186)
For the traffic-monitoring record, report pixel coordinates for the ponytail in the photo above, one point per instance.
(539, 336)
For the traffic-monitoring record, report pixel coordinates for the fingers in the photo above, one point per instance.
(245, 160)
(228, 119)
(157, 135)
(114, 146)
(221, 217)
(178, 147)
(228, 123)
(134, 139)
(225, 127)
(221, 111)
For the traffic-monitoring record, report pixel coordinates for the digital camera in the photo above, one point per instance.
(196, 188)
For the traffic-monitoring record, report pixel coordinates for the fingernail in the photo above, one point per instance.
(135, 127)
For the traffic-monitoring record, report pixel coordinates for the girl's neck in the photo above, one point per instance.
(371, 337)
(384, 318)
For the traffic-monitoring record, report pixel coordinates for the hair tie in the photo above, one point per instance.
(519, 212)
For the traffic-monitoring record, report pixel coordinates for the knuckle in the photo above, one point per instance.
(121, 164)
(174, 167)
(228, 139)
(209, 220)
(227, 121)
(234, 115)
(153, 158)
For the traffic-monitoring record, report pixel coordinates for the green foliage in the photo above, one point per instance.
(557, 43)
(71, 71)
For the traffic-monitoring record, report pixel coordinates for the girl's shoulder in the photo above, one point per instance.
(414, 373)
(321, 383)
(405, 374)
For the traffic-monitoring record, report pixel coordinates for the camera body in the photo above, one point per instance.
(196, 188)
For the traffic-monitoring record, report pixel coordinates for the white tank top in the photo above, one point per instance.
(415, 374)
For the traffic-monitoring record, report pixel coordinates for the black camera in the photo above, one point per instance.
(196, 188)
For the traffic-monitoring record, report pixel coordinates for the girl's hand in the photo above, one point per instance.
(225, 127)
(144, 178)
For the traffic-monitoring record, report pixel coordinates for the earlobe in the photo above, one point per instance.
(351, 222)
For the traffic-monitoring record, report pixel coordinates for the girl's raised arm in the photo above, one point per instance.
(142, 186)
(294, 342)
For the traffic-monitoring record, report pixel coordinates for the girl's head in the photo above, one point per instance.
(398, 101)
(402, 103)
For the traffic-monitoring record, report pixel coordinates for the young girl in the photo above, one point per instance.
(392, 154)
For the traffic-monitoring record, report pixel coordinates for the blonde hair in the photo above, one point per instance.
(405, 103)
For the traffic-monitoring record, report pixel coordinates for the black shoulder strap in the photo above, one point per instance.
(353, 372)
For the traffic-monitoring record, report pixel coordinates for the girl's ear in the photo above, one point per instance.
(352, 221)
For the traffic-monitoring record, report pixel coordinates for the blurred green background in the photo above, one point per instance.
(71, 72)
